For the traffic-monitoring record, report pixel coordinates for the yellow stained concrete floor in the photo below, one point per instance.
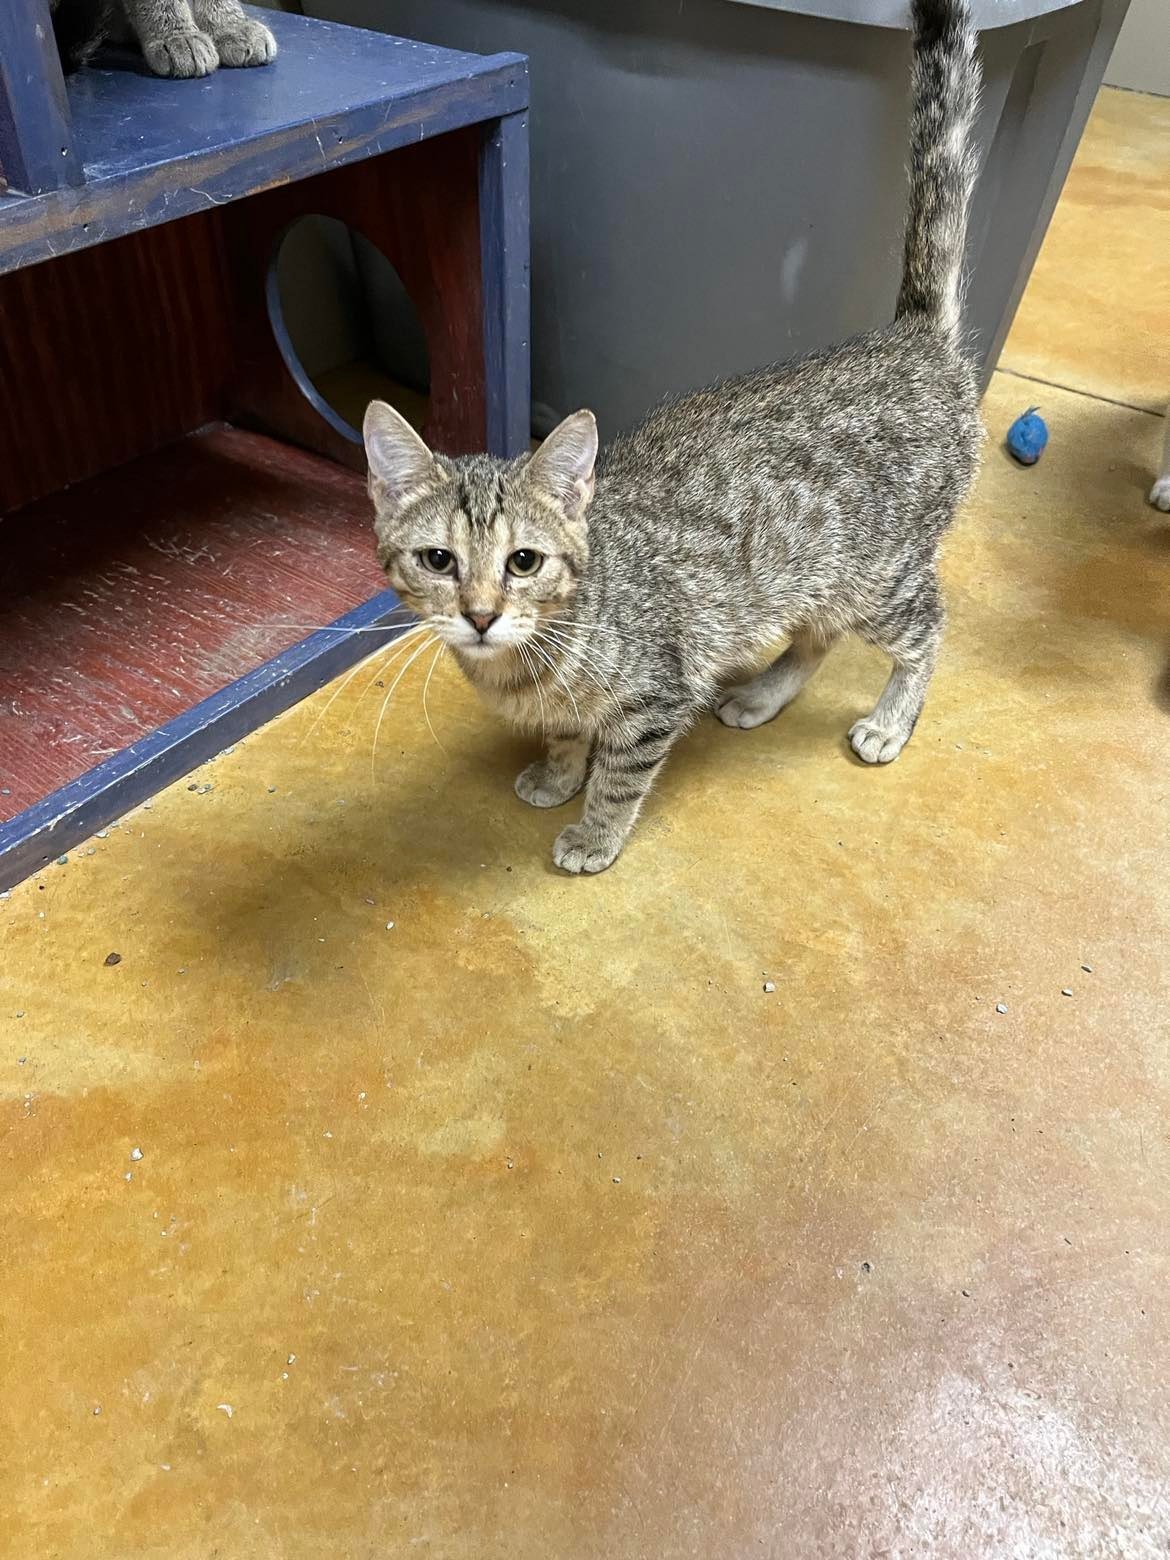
(530, 1225)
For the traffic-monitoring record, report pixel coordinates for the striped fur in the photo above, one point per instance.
(801, 502)
(943, 164)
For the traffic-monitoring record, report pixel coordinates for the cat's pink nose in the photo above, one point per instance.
(481, 620)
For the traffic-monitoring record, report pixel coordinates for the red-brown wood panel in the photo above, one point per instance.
(126, 600)
(108, 353)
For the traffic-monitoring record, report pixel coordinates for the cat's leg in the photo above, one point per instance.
(752, 703)
(1160, 492)
(170, 41)
(624, 766)
(910, 631)
(238, 39)
(557, 778)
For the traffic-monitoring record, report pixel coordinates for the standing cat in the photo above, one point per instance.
(177, 37)
(606, 602)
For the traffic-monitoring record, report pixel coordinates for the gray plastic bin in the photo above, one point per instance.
(721, 183)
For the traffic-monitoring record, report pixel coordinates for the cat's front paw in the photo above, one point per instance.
(1160, 494)
(582, 848)
(876, 744)
(248, 44)
(183, 54)
(547, 785)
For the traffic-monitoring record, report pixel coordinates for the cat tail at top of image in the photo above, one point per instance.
(945, 83)
(79, 27)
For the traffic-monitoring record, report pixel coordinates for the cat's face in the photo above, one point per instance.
(482, 549)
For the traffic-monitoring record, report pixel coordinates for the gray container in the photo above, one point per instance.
(717, 184)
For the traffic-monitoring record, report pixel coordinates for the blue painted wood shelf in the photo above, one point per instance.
(138, 239)
(153, 150)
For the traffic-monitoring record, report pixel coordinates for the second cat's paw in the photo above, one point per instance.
(580, 848)
(1160, 494)
(250, 43)
(183, 54)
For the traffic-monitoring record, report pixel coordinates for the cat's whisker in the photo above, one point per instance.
(387, 660)
(439, 653)
(587, 661)
(552, 666)
(528, 662)
(416, 651)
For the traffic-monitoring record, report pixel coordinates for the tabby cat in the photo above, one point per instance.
(177, 37)
(606, 601)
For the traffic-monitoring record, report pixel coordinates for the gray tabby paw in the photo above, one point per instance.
(1160, 494)
(546, 785)
(183, 54)
(748, 705)
(875, 744)
(248, 44)
(580, 848)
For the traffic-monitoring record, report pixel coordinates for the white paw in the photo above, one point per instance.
(1160, 494)
(582, 849)
(183, 54)
(876, 744)
(540, 785)
(248, 44)
(748, 706)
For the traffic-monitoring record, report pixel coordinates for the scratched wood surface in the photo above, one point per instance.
(156, 150)
(124, 602)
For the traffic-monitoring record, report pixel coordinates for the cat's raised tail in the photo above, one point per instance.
(943, 161)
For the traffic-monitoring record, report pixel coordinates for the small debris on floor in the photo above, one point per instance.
(1065, 991)
(111, 959)
(769, 986)
(271, 788)
(1001, 1007)
(97, 1410)
(1088, 968)
(20, 1014)
(389, 926)
(136, 1154)
(192, 786)
(867, 1267)
(129, 1176)
(292, 1359)
(966, 1293)
(103, 834)
(226, 1408)
(617, 1180)
(62, 861)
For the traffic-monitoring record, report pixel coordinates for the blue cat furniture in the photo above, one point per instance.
(155, 410)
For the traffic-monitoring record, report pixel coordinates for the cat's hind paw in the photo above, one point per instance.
(248, 44)
(547, 785)
(181, 54)
(1160, 495)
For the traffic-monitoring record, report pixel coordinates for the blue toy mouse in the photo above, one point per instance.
(1027, 437)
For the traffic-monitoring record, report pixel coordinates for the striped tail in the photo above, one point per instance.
(945, 101)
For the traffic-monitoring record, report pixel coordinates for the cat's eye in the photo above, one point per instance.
(524, 562)
(438, 560)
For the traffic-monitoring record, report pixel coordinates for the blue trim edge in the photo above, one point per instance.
(66, 817)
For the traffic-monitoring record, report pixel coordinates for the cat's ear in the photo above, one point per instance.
(563, 465)
(400, 463)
